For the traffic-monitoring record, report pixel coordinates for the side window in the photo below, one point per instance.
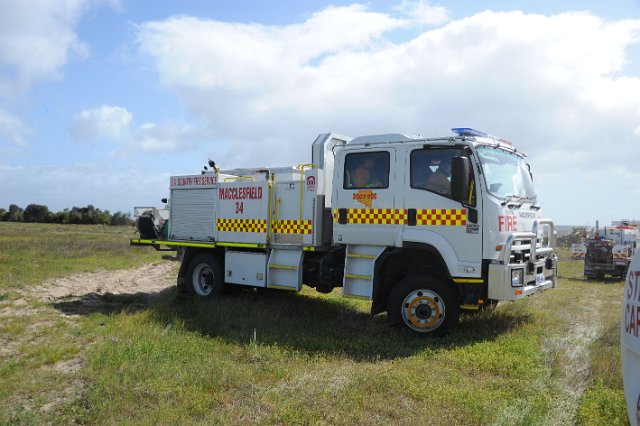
(366, 170)
(431, 170)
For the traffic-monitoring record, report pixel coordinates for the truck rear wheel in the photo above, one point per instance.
(205, 275)
(424, 304)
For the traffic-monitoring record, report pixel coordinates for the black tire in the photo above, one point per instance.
(205, 276)
(180, 253)
(424, 304)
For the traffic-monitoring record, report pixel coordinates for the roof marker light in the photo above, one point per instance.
(466, 131)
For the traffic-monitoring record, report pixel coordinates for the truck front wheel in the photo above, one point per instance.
(424, 304)
(205, 274)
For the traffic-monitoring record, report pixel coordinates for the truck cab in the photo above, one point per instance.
(458, 211)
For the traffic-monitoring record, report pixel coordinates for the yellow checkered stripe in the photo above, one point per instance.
(620, 255)
(442, 217)
(292, 226)
(424, 217)
(242, 225)
(374, 216)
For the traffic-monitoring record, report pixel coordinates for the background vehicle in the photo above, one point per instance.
(370, 215)
(611, 252)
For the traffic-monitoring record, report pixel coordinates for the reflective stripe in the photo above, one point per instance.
(242, 225)
(283, 267)
(173, 243)
(374, 216)
(361, 256)
(438, 217)
(291, 226)
(470, 307)
(424, 217)
(244, 245)
(468, 280)
(358, 276)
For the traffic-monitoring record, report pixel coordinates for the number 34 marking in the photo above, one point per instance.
(239, 207)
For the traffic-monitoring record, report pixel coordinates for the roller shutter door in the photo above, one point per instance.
(192, 214)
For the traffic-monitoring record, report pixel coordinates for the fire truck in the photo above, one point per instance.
(610, 252)
(421, 227)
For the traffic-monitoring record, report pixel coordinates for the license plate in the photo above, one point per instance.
(539, 279)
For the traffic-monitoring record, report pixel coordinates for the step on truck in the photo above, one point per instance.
(421, 227)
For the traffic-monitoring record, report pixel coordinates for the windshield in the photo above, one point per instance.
(506, 174)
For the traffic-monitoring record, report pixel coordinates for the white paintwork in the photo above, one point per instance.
(630, 340)
(245, 268)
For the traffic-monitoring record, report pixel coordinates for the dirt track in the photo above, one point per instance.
(147, 281)
(72, 296)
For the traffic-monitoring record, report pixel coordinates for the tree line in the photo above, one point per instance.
(89, 215)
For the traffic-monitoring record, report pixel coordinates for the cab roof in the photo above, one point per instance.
(461, 134)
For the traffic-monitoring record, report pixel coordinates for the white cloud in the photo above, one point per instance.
(556, 86)
(511, 73)
(13, 130)
(105, 122)
(166, 137)
(115, 125)
(422, 12)
(37, 38)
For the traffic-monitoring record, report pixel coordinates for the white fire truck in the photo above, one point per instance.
(422, 227)
(608, 252)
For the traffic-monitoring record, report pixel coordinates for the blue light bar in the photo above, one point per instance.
(466, 131)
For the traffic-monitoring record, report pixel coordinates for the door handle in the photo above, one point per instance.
(412, 217)
(342, 216)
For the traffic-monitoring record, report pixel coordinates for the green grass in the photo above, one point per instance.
(602, 402)
(300, 370)
(274, 357)
(32, 253)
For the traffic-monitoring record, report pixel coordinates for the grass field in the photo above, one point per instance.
(277, 357)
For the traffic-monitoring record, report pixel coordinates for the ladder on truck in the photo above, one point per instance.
(359, 269)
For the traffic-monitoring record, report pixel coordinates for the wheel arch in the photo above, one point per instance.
(189, 254)
(399, 263)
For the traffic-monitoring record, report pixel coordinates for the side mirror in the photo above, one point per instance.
(460, 178)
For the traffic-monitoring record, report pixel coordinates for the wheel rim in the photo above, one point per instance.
(203, 280)
(423, 310)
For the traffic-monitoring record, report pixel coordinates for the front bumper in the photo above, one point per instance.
(528, 253)
(539, 276)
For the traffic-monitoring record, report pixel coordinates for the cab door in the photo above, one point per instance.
(364, 207)
(433, 216)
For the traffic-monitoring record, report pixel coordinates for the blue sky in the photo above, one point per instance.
(102, 100)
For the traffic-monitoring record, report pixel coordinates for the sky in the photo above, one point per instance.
(101, 101)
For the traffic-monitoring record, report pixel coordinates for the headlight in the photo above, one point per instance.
(517, 277)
